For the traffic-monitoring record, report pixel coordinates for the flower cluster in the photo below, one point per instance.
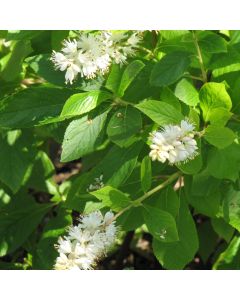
(98, 184)
(87, 242)
(174, 143)
(92, 54)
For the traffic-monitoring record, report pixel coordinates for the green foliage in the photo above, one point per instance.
(57, 139)
(170, 68)
(124, 123)
(83, 136)
(112, 198)
(160, 112)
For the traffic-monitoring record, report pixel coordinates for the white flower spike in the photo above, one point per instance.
(174, 143)
(87, 242)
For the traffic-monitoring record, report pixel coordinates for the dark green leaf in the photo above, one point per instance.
(160, 224)
(170, 68)
(123, 124)
(146, 174)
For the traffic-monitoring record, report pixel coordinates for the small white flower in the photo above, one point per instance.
(134, 40)
(174, 143)
(92, 54)
(96, 185)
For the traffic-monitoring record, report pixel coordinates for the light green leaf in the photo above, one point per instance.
(230, 258)
(112, 198)
(186, 92)
(82, 137)
(170, 68)
(220, 137)
(219, 116)
(81, 103)
(160, 112)
(213, 95)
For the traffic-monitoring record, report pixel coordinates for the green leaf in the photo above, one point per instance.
(43, 67)
(220, 137)
(170, 68)
(15, 160)
(231, 208)
(22, 34)
(224, 163)
(168, 96)
(115, 167)
(207, 240)
(219, 116)
(11, 65)
(186, 92)
(160, 112)
(177, 254)
(168, 200)
(53, 229)
(146, 174)
(204, 194)
(17, 223)
(160, 224)
(124, 123)
(129, 74)
(131, 219)
(82, 137)
(222, 229)
(230, 258)
(42, 172)
(32, 106)
(57, 37)
(81, 103)
(213, 95)
(211, 42)
(114, 78)
(112, 198)
(171, 34)
(140, 87)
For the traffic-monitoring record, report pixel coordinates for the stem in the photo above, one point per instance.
(138, 201)
(204, 74)
(157, 188)
(193, 77)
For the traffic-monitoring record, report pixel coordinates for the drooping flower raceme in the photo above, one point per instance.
(174, 143)
(93, 54)
(87, 242)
